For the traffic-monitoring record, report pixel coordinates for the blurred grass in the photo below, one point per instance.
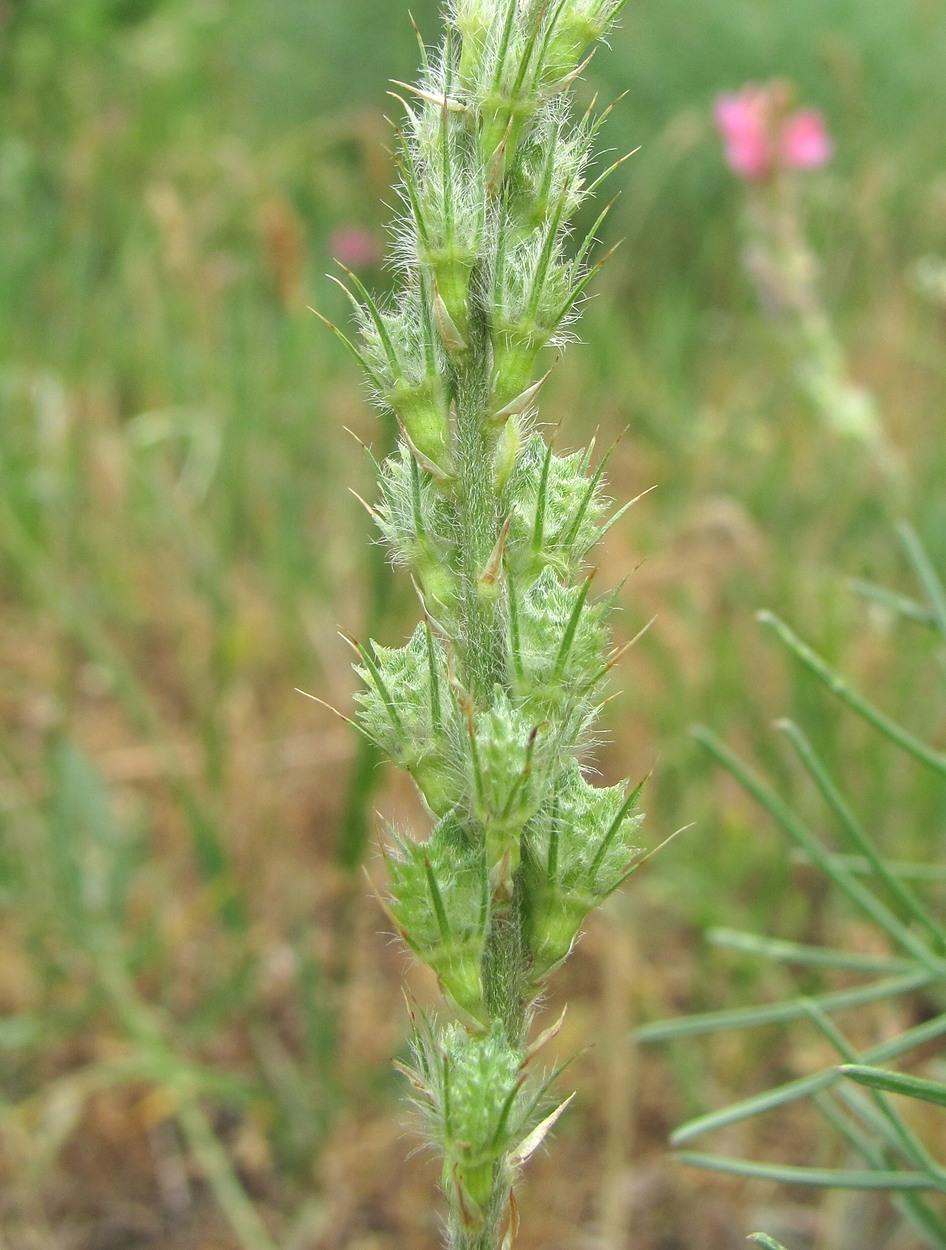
(177, 544)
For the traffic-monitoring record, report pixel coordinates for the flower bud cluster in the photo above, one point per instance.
(491, 704)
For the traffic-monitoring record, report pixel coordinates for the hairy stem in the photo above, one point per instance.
(482, 637)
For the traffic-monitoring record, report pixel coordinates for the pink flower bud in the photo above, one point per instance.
(742, 120)
(806, 143)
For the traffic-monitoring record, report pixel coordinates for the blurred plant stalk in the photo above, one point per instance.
(491, 704)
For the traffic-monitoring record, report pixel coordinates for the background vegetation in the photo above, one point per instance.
(198, 1000)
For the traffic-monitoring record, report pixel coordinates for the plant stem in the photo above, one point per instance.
(487, 665)
(482, 638)
(503, 979)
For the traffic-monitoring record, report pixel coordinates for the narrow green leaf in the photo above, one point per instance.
(416, 507)
(854, 700)
(405, 167)
(910, 609)
(550, 28)
(514, 638)
(566, 538)
(523, 775)
(625, 810)
(807, 1085)
(349, 345)
(525, 56)
(855, 890)
(903, 1138)
(747, 1108)
(809, 956)
(780, 1013)
(911, 1205)
(591, 236)
(875, 1115)
(615, 518)
(504, 41)
(382, 689)
(909, 871)
(896, 1083)
(856, 833)
(503, 1122)
(926, 574)
(582, 283)
(545, 259)
(374, 313)
(446, 172)
(821, 1178)
(436, 722)
(909, 1039)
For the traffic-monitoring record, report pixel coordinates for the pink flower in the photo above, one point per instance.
(742, 120)
(806, 143)
(354, 247)
(760, 136)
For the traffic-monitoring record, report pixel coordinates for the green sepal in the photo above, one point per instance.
(508, 761)
(580, 23)
(474, 1091)
(561, 640)
(515, 352)
(473, 23)
(439, 899)
(400, 348)
(577, 851)
(417, 523)
(401, 711)
(422, 410)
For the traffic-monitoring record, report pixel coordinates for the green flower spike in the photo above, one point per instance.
(491, 703)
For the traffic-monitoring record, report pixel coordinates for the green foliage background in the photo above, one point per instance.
(176, 543)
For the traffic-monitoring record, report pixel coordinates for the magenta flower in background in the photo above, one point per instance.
(760, 136)
(742, 120)
(354, 247)
(806, 143)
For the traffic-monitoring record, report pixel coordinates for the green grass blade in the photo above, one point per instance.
(893, 1127)
(896, 1083)
(874, 1115)
(856, 832)
(821, 1178)
(853, 698)
(900, 605)
(906, 870)
(909, 1039)
(782, 1012)
(809, 956)
(805, 1086)
(855, 890)
(911, 1205)
(747, 1108)
(927, 576)
(221, 1178)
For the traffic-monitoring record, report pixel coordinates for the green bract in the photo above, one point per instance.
(491, 703)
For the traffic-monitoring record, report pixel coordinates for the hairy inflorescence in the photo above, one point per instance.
(491, 704)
